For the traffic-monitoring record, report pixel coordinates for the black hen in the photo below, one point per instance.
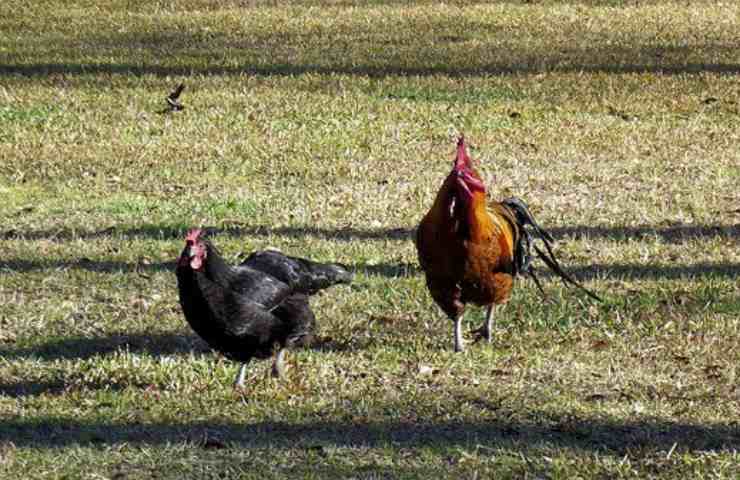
(244, 311)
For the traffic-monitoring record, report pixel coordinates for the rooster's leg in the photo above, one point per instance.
(488, 326)
(278, 368)
(239, 382)
(459, 347)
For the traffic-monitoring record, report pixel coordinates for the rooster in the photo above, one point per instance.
(471, 249)
(245, 311)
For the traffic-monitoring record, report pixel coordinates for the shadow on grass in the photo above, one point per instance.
(529, 66)
(99, 266)
(404, 269)
(168, 232)
(677, 233)
(403, 45)
(79, 348)
(631, 271)
(154, 344)
(596, 435)
(32, 388)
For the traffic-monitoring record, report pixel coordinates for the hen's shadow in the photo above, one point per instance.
(80, 348)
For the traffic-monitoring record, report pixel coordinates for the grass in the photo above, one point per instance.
(324, 129)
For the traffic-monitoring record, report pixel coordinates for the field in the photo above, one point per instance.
(324, 129)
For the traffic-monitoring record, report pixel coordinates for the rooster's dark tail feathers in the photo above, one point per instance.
(529, 232)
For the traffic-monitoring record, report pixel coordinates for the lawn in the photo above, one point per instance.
(324, 128)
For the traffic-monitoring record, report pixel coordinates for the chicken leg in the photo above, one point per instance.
(278, 368)
(487, 328)
(239, 382)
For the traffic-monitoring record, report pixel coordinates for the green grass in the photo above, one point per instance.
(325, 129)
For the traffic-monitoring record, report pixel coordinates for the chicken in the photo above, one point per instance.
(245, 311)
(471, 249)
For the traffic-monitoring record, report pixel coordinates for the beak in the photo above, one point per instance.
(195, 260)
(461, 181)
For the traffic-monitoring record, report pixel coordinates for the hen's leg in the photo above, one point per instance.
(278, 368)
(459, 346)
(239, 382)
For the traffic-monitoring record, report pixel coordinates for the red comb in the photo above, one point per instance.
(462, 159)
(193, 235)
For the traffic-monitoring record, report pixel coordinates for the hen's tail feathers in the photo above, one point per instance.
(301, 274)
(523, 249)
(324, 275)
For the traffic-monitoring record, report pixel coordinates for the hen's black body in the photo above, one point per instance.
(244, 311)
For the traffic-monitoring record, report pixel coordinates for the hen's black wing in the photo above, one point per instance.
(258, 287)
(291, 323)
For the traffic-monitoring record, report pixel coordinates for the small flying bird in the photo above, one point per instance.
(173, 99)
